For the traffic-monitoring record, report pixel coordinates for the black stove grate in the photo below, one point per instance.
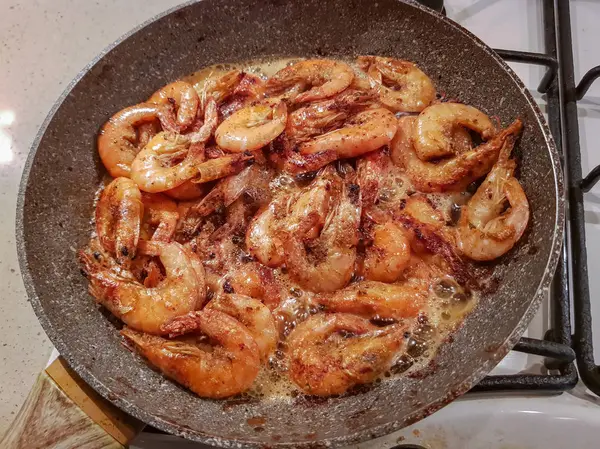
(559, 347)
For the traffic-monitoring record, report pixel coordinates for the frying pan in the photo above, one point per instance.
(64, 171)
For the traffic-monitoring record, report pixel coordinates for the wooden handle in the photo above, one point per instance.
(63, 412)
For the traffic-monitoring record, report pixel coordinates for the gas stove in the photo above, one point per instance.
(544, 393)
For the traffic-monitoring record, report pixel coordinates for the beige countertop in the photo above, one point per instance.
(43, 45)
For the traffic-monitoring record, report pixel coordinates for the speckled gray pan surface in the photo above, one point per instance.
(62, 174)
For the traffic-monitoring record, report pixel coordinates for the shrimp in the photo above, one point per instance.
(401, 85)
(221, 360)
(377, 300)
(486, 230)
(262, 237)
(250, 89)
(450, 174)
(429, 234)
(254, 315)
(330, 353)
(327, 115)
(366, 131)
(149, 172)
(141, 308)
(311, 80)
(151, 169)
(218, 88)
(284, 155)
(119, 215)
(190, 190)
(187, 191)
(314, 201)
(330, 264)
(160, 212)
(389, 254)
(252, 182)
(231, 90)
(265, 235)
(117, 139)
(171, 160)
(252, 127)
(372, 170)
(257, 281)
(436, 127)
(184, 96)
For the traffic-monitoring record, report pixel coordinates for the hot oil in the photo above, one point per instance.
(448, 305)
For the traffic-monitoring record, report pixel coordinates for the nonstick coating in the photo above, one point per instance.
(63, 172)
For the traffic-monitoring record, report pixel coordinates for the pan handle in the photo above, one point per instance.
(62, 411)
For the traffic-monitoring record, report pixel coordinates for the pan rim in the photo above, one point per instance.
(357, 437)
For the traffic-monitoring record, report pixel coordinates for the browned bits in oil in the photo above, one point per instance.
(444, 289)
(403, 363)
(382, 321)
(415, 347)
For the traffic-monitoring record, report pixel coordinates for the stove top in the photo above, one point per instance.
(551, 44)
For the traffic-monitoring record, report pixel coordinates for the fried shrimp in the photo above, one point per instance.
(262, 237)
(401, 85)
(252, 127)
(231, 91)
(330, 263)
(119, 215)
(436, 129)
(218, 88)
(328, 354)
(487, 229)
(118, 138)
(160, 212)
(257, 281)
(377, 299)
(311, 80)
(220, 360)
(449, 174)
(155, 170)
(388, 255)
(254, 315)
(170, 160)
(327, 115)
(185, 98)
(306, 210)
(366, 131)
(372, 171)
(141, 308)
(252, 182)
